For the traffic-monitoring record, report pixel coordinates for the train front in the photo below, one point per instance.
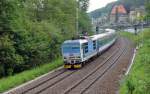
(71, 54)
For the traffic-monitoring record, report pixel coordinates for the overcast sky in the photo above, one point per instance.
(95, 4)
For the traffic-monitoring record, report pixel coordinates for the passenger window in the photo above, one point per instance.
(86, 47)
(94, 45)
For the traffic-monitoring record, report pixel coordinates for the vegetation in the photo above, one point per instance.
(84, 4)
(12, 81)
(148, 6)
(31, 31)
(138, 82)
(148, 10)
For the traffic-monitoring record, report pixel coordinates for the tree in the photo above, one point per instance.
(9, 58)
(148, 7)
(84, 4)
(32, 31)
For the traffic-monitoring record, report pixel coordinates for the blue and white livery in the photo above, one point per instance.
(77, 52)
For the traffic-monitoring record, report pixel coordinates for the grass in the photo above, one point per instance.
(138, 80)
(18, 79)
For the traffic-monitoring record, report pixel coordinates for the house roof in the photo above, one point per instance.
(120, 9)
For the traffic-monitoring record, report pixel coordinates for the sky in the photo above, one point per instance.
(95, 4)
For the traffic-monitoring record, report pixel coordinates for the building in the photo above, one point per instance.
(136, 13)
(119, 14)
(132, 16)
(100, 21)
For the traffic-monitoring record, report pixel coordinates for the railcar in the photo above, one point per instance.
(76, 52)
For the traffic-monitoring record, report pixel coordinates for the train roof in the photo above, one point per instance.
(109, 32)
(94, 37)
(80, 41)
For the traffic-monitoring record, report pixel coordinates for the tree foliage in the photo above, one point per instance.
(148, 7)
(31, 31)
(84, 4)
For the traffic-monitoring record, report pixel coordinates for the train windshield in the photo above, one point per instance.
(71, 48)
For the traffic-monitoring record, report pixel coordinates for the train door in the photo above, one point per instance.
(85, 49)
(90, 45)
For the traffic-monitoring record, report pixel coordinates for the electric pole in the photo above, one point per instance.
(77, 17)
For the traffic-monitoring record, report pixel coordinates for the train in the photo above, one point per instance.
(77, 52)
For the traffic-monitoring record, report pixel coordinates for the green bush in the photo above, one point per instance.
(138, 79)
(13, 81)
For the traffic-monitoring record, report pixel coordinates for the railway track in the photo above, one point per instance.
(79, 80)
(93, 80)
(110, 82)
(56, 75)
(29, 91)
(59, 78)
(66, 81)
(38, 91)
(88, 75)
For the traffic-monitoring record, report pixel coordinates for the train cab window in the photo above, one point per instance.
(94, 44)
